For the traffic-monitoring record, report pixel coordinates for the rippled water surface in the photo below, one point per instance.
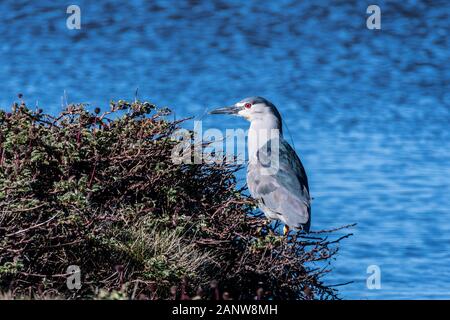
(368, 110)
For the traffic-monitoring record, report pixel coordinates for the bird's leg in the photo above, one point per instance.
(286, 230)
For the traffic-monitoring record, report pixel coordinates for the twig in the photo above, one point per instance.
(32, 227)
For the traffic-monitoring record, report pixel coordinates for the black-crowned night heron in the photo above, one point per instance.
(275, 175)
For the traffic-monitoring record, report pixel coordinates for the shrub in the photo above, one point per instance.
(99, 190)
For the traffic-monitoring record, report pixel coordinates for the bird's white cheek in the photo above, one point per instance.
(245, 114)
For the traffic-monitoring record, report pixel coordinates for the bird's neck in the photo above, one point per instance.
(260, 132)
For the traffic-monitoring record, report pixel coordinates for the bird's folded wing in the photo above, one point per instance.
(286, 191)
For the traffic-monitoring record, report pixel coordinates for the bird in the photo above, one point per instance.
(276, 177)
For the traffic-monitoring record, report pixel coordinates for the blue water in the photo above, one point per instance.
(368, 110)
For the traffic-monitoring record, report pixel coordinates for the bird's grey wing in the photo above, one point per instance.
(283, 190)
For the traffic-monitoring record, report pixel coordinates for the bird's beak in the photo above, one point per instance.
(226, 110)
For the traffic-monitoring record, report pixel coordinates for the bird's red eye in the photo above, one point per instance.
(248, 105)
